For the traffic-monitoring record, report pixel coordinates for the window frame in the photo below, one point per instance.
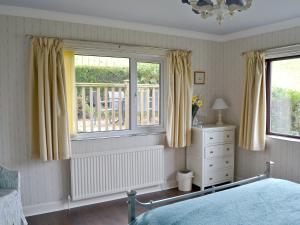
(134, 58)
(161, 126)
(268, 62)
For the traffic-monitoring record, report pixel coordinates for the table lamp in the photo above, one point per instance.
(219, 105)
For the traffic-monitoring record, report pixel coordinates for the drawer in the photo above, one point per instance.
(219, 150)
(218, 163)
(218, 177)
(217, 137)
(213, 137)
(228, 136)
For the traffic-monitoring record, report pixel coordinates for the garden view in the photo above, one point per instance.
(285, 98)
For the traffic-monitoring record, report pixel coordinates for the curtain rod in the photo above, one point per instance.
(111, 43)
(267, 49)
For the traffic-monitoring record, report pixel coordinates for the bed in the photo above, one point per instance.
(256, 201)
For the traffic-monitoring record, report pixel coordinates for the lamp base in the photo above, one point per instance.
(220, 122)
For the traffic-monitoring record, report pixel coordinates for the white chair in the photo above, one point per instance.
(11, 212)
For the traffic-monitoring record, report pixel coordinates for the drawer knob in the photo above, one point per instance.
(228, 135)
(210, 178)
(227, 162)
(210, 165)
(227, 149)
(227, 175)
(211, 152)
(211, 138)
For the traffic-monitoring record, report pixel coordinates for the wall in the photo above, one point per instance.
(48, 182)
(285, 154)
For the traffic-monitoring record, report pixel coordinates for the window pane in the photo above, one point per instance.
(148, 102)
(285, 98)
(102, 91)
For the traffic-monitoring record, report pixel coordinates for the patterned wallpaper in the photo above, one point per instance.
(285, 154)
(44, 183)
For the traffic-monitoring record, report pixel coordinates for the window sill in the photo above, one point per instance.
(98, 136)
(289, 139)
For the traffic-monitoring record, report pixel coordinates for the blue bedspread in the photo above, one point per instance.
(266, 202)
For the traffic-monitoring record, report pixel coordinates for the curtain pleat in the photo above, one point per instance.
(48, 102)
(253, 118)
(71, 93)
(179, 99)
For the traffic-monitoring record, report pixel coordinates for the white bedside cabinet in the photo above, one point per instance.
(211, 155)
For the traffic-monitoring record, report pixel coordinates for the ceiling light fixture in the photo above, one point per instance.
(220, 8)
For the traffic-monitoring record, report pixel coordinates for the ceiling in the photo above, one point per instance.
(170, 13)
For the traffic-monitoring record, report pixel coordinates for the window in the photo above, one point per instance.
(118, 93)
(102, 87)
(148, 93)
(283, 95)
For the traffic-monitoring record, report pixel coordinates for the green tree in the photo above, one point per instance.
(148, 73)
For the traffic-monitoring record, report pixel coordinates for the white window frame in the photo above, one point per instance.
(134, 58)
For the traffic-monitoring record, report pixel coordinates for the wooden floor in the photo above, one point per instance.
(108, 213)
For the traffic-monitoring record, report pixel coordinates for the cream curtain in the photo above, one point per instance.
(179, 99)
(253, 118)
(69, 62)
(49, 120)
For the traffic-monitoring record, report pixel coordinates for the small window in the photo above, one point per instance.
(148, 85)
(283, 95)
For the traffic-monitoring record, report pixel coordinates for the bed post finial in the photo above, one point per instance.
(131, 205)
(269, 164)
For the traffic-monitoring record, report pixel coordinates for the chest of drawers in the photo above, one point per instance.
(211, 155)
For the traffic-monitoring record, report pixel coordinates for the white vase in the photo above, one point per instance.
(195, 121)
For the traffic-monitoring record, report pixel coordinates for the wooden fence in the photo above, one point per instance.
(106, 106)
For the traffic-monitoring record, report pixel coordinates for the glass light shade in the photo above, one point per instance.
(234, 5)
(201, 6)
(219, 104)
(202, 3)
(236, 2)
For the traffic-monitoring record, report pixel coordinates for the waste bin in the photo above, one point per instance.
(184, 179)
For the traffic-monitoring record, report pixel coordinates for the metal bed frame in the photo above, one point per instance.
(133, 202)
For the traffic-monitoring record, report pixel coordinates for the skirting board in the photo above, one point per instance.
(48, 207)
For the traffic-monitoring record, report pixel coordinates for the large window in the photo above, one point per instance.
(283, 94)
(118, 93)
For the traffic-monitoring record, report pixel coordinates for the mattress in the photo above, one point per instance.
(266, 202)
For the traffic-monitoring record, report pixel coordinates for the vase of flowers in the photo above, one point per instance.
(197, 102)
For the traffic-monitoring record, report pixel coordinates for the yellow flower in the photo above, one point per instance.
(199, 103)
(195, 99)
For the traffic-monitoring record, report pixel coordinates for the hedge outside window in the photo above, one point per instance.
(283, 94)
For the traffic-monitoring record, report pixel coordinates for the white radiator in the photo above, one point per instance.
(102, 173)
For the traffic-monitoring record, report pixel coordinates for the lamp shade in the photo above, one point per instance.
(219, 104)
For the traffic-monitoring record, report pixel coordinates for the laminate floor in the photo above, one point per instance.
(107, 213)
